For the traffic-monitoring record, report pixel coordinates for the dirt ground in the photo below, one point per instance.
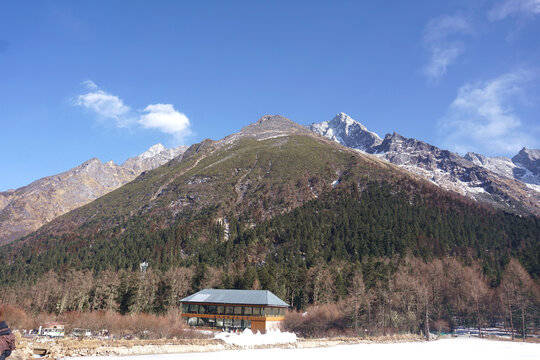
(60, 348)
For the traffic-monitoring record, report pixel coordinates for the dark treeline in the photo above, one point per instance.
(407, 261)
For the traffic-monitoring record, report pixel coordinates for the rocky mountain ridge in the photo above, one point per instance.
(274, 195)
(346, 131)
(26, 209)
(268, 168)
(508, 183)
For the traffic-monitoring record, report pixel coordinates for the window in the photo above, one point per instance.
(248, 310)
(237, 323)
(192, 321)
(185, 308)
(219, 322)
(193, 309)
(275, 311)
(227, 323)
(237, 310)
(211, 309)
(267, 311)
(247, 324)
(221, 309)
(230, 310)
(282, 311)
(257, 311)
(202, 309)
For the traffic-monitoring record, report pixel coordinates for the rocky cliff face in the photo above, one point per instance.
(528, 162)
(524, 167)
(26, 209)
(346, 131)
(502, 182)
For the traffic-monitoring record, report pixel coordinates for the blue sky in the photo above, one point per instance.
(108, 79)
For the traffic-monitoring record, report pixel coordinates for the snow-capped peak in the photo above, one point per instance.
(347, 131)
(150, 159)
(347, 120)
(153, 151)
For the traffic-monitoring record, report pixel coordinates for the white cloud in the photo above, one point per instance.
(162, 117)
(506, 8)
(440, 59)
(165, 118)
(481, 118)
(90, 85)
(440, 40)
(106, 105)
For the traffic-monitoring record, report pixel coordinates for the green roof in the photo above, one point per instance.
(228, 296)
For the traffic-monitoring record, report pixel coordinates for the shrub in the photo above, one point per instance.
(17, 318)
(144, 326)
(318, 321)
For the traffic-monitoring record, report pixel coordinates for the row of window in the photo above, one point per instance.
(232, 310)
(219, 323)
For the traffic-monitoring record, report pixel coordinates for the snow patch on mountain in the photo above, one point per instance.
(497, 180)
(525, 166)
(347, 131)
(155, 156)
(153, 151)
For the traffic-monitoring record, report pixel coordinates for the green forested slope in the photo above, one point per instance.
(269, 208)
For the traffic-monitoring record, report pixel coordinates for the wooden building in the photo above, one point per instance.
(226, 309)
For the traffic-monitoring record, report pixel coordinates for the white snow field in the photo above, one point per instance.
(457, 348)
(248, 339)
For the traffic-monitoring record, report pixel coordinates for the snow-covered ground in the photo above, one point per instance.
(249, 339)
(457, 348)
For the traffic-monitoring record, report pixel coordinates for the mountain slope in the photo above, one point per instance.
(274, 193)
(26, 209)
(270, 167)
(472, 176)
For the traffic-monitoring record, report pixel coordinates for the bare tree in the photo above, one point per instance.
(476, 292)
(106, 291)
(322, 284)
(179, 279)
(518, 292)
(357, 293)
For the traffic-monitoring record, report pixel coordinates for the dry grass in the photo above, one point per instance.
(140, 326)
(327, 320)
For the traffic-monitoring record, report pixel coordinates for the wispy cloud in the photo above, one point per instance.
(441, 39)
(481, 118)
(108, 106)
(161, 117)
(505, 8)
(165, 118)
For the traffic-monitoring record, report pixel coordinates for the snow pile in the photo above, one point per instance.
(249, 339)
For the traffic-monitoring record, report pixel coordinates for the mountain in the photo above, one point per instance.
(26, 209)
(528, 163)
(253, 173)
(274, 206)
(346, 131)
(156, 156)
(525, 166)
(273, 193)
(496, 181)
